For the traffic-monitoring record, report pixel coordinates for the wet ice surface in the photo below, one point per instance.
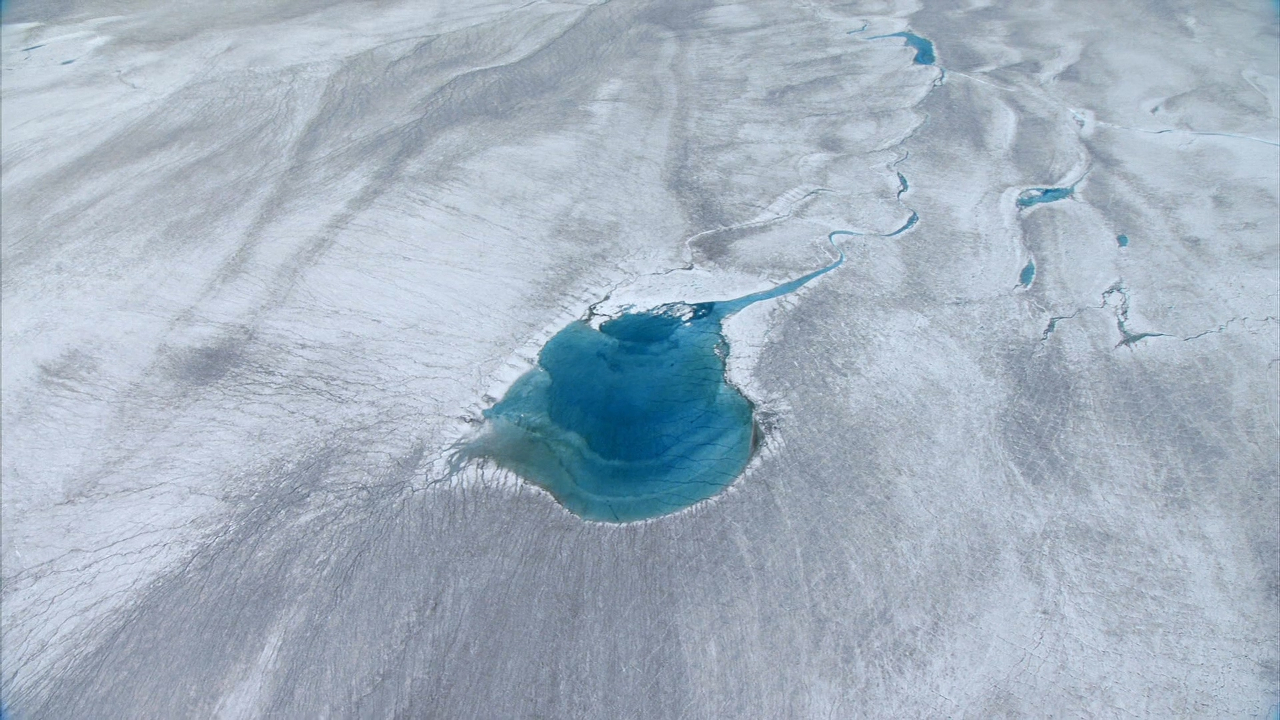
(267, 265)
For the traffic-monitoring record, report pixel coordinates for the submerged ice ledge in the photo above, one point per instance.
(634, 419)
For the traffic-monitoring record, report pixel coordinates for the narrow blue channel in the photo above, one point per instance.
(922, 46)
(911, 222)
(634, 419)
(1028, 274)
(1035, 196)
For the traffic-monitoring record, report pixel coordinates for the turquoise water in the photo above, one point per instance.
(922, 46)
(902, 184)
(1028, 274)
(911, 222)
(634, 419)
(1035, 196)
(1122, 240)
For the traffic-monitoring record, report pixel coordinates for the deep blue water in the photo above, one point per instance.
(633, 419)
(1122, 240)
(922, 46)
(902, 184)
(1035, 196)
(1028, 274)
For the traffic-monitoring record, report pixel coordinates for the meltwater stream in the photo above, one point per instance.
(922, 46)
(634, 419)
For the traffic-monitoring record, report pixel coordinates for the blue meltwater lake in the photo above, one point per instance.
(633, 419)
(1037, 196)
(922, 46)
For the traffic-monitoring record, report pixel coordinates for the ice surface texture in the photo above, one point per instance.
(266, 262)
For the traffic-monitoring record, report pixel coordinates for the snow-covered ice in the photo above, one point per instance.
(266, 263)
